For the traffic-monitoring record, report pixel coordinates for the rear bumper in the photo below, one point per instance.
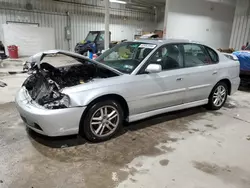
(57, 122)
(235, 83)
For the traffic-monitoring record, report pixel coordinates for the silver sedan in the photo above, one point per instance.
(130, 82)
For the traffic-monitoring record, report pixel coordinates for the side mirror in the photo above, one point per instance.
(153, 68)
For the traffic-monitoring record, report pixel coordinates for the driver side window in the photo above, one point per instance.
(168, 56)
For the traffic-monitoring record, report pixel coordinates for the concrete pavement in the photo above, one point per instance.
(193, 148)
(213, 152)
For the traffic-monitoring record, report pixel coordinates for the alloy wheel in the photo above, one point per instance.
(219, 96)
(104, 121)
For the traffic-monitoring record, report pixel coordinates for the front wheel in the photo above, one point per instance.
(102, 121)
(218, 96)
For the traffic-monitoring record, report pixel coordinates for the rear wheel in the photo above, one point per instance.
(102, 121)
(218, 96)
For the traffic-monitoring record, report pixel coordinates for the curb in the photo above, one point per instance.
(3, 84)
(16, 72)
(11, 73)
(4, 74)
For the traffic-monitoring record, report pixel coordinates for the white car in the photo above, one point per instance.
(130, 82)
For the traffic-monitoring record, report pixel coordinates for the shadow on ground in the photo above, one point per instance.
(244, 88)
(56, 142)
(75, 140)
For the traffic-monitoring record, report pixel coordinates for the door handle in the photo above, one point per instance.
(215, 72)
(179, 79)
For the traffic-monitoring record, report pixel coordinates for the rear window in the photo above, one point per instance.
(213, 55)
(195, 55)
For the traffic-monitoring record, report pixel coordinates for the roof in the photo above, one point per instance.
(164, 41)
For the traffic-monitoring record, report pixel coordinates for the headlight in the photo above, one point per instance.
(60, 103)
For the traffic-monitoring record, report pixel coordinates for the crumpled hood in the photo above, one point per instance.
(36, 59)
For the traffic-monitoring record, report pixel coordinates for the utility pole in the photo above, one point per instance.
(106, 21)
(165, 19)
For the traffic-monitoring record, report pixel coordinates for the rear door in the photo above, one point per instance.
(201, 71)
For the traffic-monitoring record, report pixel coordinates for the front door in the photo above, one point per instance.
(165, 88)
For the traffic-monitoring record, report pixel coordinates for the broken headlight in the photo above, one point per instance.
(59, 103)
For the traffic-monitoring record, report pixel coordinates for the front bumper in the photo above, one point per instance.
(59, 122)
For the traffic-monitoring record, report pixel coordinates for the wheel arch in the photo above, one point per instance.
(210, 104)
(227, 82)
(115, 97)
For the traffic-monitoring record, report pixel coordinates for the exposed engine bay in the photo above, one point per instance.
(45, 83)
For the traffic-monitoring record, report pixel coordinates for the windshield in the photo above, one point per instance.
(125, 57)
(91, 36)
(247, 48)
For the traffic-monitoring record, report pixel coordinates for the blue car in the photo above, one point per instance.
(244, 59)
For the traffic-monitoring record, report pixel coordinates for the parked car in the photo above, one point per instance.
(243, 57)
(130, 82)
(94, 42)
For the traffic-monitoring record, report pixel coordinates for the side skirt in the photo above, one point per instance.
(165, 110)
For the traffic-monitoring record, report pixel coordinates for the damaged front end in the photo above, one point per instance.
(45, 91)
(46, 82)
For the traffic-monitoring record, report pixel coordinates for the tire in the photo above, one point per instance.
(97, 117)
(212, 103)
